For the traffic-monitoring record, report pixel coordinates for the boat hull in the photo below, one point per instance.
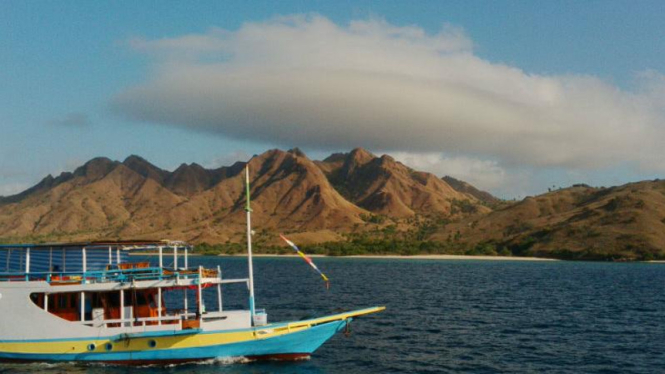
(290, 344)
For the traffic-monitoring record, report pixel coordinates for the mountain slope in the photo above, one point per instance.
(464, 187)
(145, 168)
(109, 199)
(288, 193)
(99, 199)
(323, 200)
(385, 186)
(579, 222)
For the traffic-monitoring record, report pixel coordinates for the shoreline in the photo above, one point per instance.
(410, 257)
(459, 257)
(394, 257)
(165, 254)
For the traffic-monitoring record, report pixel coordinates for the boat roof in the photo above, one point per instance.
(123, 244)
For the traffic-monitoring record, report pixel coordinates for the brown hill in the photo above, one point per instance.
(320, 201)
(464, 187)
(145, 168)
(581, 222)
(102, 198)
(385, 186)
(188, 180)
(289, 193)
(109, 199)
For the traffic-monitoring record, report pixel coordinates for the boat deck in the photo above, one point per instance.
(142, 272)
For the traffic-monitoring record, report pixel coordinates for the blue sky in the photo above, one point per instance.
(80, 79)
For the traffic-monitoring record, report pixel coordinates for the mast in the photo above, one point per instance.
(248, 209)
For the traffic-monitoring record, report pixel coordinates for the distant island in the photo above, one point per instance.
(351, 203)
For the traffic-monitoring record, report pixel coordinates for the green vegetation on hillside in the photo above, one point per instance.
(363, 246)
(384, 235)
(382, 240)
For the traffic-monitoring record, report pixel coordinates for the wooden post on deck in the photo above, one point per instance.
(219, 289)
(159, 298)
(27, 260)
(82, 306)
(200, 306)
(122, 307)
(175, 257)
(186, 302)
(84, 256)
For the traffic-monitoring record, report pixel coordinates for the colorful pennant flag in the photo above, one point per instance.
(307, 259)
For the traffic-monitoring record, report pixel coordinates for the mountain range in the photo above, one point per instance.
(354, 193)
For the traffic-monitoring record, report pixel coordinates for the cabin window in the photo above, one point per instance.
(63, 305)
(140, 299)
(113, 299)
(95, 300)
(68, 305)
(36, 299)
(62, 301)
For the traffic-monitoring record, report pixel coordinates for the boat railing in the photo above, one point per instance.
(118, 275)
(143, 321)
(152, 321)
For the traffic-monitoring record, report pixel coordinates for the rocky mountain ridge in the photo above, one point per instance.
(290, 192)
(355, 197)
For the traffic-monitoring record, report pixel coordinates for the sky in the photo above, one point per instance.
(514, 97)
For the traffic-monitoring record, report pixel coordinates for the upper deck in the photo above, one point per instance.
(97, 262)
(95, 285)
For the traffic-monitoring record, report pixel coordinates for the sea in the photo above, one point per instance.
(449, 316)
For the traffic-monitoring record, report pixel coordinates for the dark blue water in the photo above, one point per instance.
(454, 316)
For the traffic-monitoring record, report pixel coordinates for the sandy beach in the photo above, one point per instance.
(457, 257)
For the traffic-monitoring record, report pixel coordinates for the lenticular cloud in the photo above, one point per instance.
(306, 81)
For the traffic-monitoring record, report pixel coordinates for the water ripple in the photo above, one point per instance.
(453, 316)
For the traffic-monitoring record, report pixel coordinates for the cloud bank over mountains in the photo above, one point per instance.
(306, 81)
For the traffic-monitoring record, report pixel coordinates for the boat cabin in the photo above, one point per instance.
(102, 305)
(97, 284)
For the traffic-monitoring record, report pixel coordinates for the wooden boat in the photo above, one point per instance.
(88, 302)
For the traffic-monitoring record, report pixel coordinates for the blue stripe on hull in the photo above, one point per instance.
(303, 342)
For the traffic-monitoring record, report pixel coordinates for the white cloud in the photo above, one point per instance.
(483, 174)
(307, 81)
(227, 159)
